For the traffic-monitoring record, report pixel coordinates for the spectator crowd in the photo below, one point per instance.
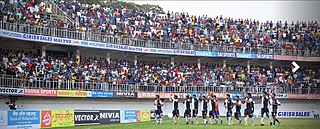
(174, 27)
(91, 71)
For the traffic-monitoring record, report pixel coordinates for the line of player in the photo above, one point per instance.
(193, 104)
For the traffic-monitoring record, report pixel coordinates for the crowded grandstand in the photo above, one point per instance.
(65, 46)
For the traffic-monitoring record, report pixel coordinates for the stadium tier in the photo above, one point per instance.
(57, 55)
(125, 29)
(122, 25)
(54, 71)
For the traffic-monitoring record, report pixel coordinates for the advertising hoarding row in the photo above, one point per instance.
(122, 94)
(109, 46)
(15, 119)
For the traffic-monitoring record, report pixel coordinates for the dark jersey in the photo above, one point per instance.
(213, 104)
(275, 104)
(195, 104)
(238, 105)
(229, 104)
(187, 104)
(175, 103)
(158, 104)
(204, 105)
(249, 104)
(265, 102)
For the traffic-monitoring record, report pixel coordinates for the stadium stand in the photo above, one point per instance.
(122, 25)
(171, 30)
(59, 71)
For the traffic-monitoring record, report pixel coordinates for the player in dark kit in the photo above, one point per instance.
(275, 103)
(237, 114)
(248, 111)
(187, 111)
(195, 108)
(158, 104)
(228, 104)
(204, 105)
(265, 100)
(175, 111)
(213, 106)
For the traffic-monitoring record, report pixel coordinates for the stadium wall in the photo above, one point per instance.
(141, 104)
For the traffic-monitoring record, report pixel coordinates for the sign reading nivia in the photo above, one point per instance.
(125, 94)
(109, 116)
(11, 91)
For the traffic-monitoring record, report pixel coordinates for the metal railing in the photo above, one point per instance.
(121, 40)
(59, 12)
(60, 84)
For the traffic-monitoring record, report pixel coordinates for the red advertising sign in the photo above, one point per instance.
(149, 95)
(40, 92)
(220, 95)
(281, 57)
(298, 96)
(313, 96)
(138, 115)
(168, 95)
(46, 119)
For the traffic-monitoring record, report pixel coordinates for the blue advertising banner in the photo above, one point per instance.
(171, 51)
(194, 93)
(233, 96)
(3, 118)
(128, 116)
(100, 94)
(226, 54)
(246, 55)
(206, 53)
(29, 118)
(74, 42)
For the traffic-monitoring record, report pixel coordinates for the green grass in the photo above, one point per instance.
(168, 124)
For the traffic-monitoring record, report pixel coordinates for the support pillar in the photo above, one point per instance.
(248, 65)
(78, 60)
(108, 58)
(199, 63)
(43, 51)
(135, 60)
(172, 61)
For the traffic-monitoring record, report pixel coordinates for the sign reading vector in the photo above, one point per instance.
(86, 117)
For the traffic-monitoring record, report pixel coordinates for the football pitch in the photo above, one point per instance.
(168, 124)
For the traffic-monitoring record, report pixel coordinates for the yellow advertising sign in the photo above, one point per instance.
(144, 115)
(71, 93)
(62, 118)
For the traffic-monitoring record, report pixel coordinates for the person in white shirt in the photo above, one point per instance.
(195, 108)
(175, 110)
(275, 103)
(158, 106)
(228, 104)
(237, 114)
(187, 111)
(204, 105)
(265, 100)
(248, 112)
